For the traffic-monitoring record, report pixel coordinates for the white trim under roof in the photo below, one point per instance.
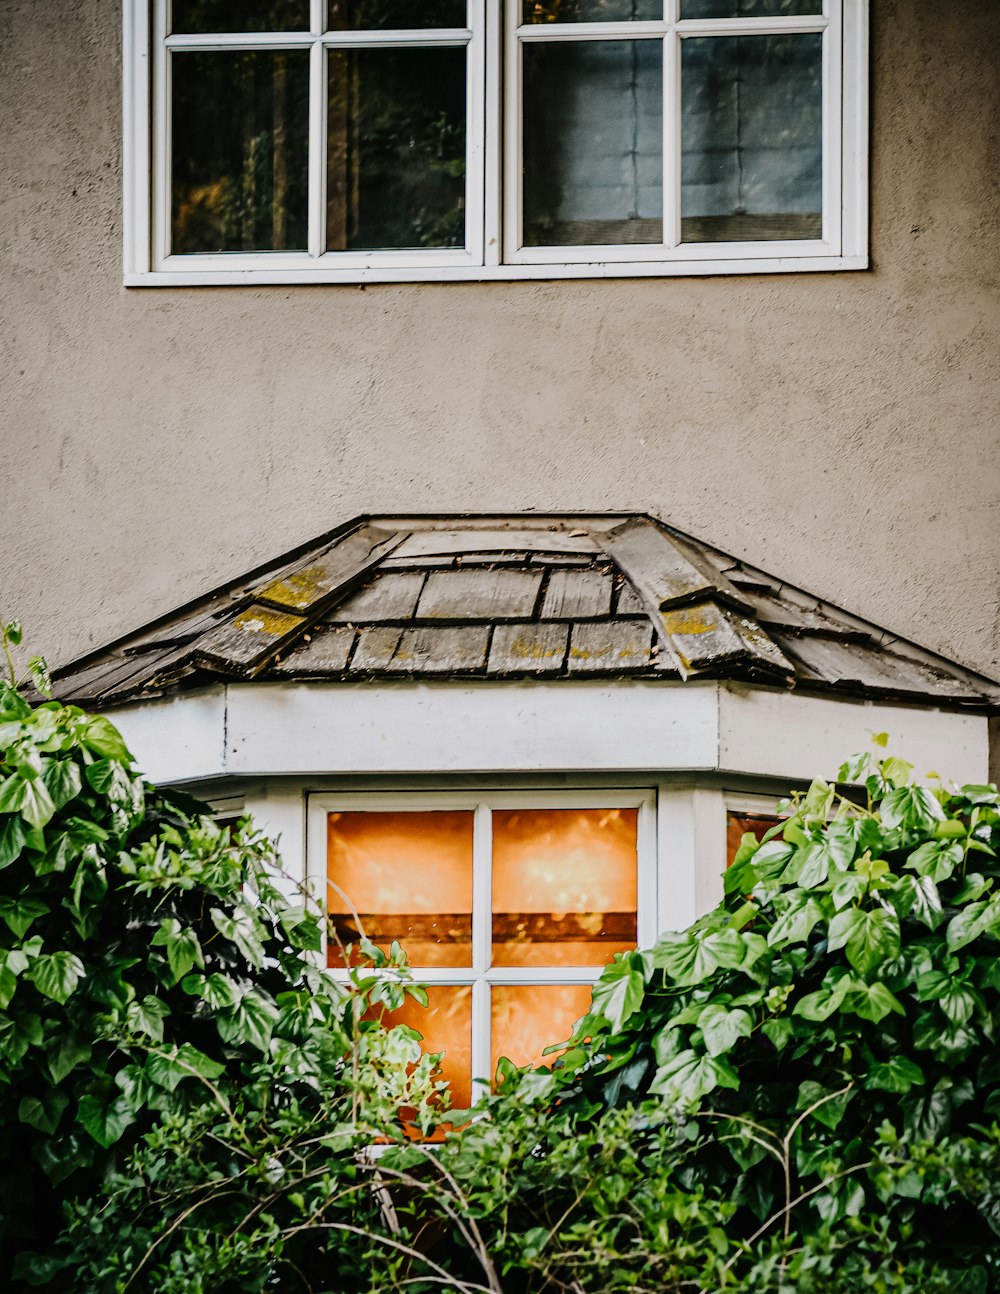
(605, 726)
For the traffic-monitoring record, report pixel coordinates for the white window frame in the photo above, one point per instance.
(493, 142)
(481, 976)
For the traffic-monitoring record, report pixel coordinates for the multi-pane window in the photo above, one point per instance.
(347, 139)
(507, 906)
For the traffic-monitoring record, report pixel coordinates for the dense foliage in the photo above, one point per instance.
(153, 976)
(798, 1093)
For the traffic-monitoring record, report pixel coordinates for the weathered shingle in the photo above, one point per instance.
(495, 595)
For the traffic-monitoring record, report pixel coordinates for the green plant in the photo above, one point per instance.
(152, 972)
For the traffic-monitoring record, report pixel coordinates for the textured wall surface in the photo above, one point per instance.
(839, 430)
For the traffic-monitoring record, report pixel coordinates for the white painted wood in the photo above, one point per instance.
(452, 727)
(709, 862)
(677, 904)
(279, 810)
(177, 740)
(798, 737)
(147, 262)
(183, 274)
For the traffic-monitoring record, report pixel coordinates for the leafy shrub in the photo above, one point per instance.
(153, 979)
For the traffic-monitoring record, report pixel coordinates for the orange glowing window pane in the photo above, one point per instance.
(527, 1018)
(564, 886)
(446, 1026)
(408, 877)
(738, 823)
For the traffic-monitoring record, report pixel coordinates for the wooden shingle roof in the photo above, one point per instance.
(580, 596)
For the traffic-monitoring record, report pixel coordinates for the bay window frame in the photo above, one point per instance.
(480, 975)
(494, 39)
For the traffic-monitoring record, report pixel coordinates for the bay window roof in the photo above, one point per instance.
(568, 597)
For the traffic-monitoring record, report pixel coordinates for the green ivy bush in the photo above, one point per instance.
(154, 978)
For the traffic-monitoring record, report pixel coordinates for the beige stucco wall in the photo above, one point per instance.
(839, 430)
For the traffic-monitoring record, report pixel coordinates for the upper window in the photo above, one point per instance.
(284, 140)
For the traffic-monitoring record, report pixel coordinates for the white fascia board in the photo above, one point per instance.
(790, 735)
(176, 740)
(470, 728)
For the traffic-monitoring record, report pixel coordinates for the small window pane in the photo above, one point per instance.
(527, 1018)
(239, 15)
(758, 824)
(396, 149)
(239, 163)
(750, 8)
(752, 138)
(354, 15)
(547, 11)
(564, 886)
(409, 877)
(446, 1025)
(593, 143)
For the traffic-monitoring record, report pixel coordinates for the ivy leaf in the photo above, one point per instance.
(100, 736)
(182, 945)
(871, 937)
(56, 975)
(62, 777)
(928, 1116)
(29, 797)
(619, 992)
(689, 1077)
(20, 914)
(43, 1112)
(721, 1028)
(896, 1075)
(104, 1121)
(251, 1021)
(12, 839)
(911, 807)
(63, 1056)
(244, 930)
(147, 1016)
(827, 999)
(168, 1068)
(968, 924)
(936, 859)
(830, 1106)
(797, 923)
(872, 1001)
(917, 896)
(109, 778)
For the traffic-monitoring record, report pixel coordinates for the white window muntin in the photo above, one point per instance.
(489, 253)
(481, 976)
(318, 43)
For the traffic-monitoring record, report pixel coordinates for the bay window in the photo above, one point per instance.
(508, 906)
(344, 140)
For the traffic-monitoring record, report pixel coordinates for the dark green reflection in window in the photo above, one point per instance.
(396, 149)
(239, 160)
(593, 142)
(354, 15)
(548, 11)
(751, 138)
(239, 15)
(750, 8)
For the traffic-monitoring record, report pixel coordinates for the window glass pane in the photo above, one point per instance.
(593, 142)
(752, 138)
(351, 15)
(738, 823)
(564, 886)
(408, 877)
(239, 15)
(446, 1025)
(527, 1018)
(750, 8)
(239, 161)
(545, 11)
(396, 148)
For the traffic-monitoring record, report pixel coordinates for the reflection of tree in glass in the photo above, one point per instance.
(357, 15)
(545, 11)
(239, 162)
(396, 148)
(239, 15)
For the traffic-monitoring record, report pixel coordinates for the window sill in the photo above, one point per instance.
(276, 275)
